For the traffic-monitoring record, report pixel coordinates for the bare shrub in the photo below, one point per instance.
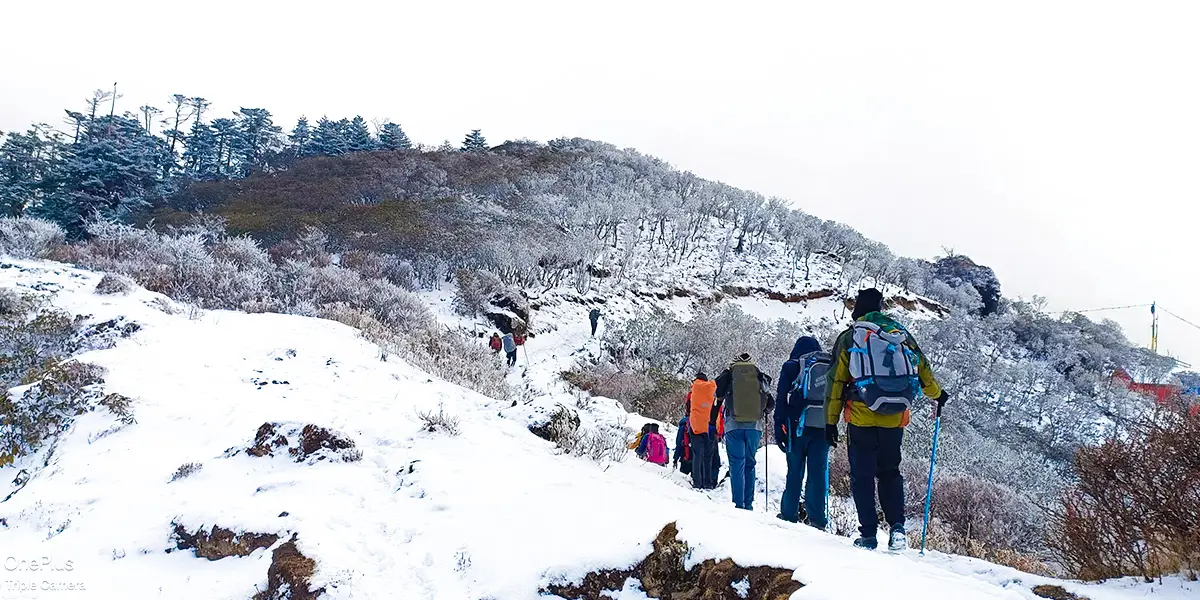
(600, 445)
(114, 284)
(1135, 509)
(25, 237)
(186, 470)
(438, 422)
(373, 265)
(120, 406)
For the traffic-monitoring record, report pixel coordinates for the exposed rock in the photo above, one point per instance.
(266, 440)
(787, 298)
(289, 574)
(310, 442)
(1055, 592)
(114, 284)
(662, 575)
(562, 423)
(219, 542)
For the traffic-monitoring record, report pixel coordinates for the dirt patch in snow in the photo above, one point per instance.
(289, 574)
(310, 442)
(218, 542)
(662, 575)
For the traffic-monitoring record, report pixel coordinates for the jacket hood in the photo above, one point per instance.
(805, 345)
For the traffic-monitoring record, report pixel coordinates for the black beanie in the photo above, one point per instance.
(869, 300)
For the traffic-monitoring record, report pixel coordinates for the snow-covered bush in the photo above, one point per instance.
(54, 396)
(373, 265)
(114, 284)
(474, 290)
(186, 470)
(455, 357)
(26, 237)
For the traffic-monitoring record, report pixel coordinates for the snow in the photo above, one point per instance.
(494, 512)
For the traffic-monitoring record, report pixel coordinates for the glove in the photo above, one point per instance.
(831, 435)
(712, 430)
(941, 400)
(781, 436)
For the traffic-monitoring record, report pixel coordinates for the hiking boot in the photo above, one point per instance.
(866, 543)
(783, 518)
(898, 540)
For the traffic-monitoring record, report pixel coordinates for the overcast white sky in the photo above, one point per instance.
(1056, 142)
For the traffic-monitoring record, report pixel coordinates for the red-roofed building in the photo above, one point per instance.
(1166, 393)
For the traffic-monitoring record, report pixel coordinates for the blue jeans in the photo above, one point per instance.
(742, 445)
(875, 463)
(808, 449)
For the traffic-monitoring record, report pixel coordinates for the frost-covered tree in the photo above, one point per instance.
(392, 137)
(329, 138)
(301, 139)
(200, 158)
(114, 170)
(358, 136)
(260, 140)
(27, 161)
(474, 142)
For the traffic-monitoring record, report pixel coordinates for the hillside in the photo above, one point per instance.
(476, 508)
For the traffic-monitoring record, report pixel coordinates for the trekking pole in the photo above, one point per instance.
(766, 473)
(937, 427)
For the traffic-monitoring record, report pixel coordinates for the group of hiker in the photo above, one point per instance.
(510, 342)
(871, 379)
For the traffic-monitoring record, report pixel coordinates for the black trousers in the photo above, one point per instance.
(874, 454)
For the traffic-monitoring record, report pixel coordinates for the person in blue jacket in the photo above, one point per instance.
(800, 433)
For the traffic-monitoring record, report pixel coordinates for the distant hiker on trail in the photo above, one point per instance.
(800, 431)
(510, 348)
(656, 447)
(594, 317)
(683, 447)
(700, 403)
(877, 369)
(494, 343)
(519, 339)
(744, 397)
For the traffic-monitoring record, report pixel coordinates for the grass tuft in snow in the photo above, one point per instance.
(438, 422)
(186, 470)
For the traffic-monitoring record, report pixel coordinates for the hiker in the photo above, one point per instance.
(682, 458)
(743, 397)
(494, 343)
(877, 368)
(519, 339)
(638, 445)
(683, 447)
(656, 447)
(594, 317)
(800, 431)
(510, 348)
(700, 402)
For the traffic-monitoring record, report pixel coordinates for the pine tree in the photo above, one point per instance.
(228, 147)
(27, 161)
(358, 136)
(392, 137)
(200, 158)
(474, 142)
(114, 170)
(261, 139)
(329, 138)
(301, 139)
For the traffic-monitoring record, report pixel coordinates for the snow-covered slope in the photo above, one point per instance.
(493, 512)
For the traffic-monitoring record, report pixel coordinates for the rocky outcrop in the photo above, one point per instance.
(662, 575)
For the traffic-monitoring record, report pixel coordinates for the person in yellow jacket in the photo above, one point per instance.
(874, 436)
